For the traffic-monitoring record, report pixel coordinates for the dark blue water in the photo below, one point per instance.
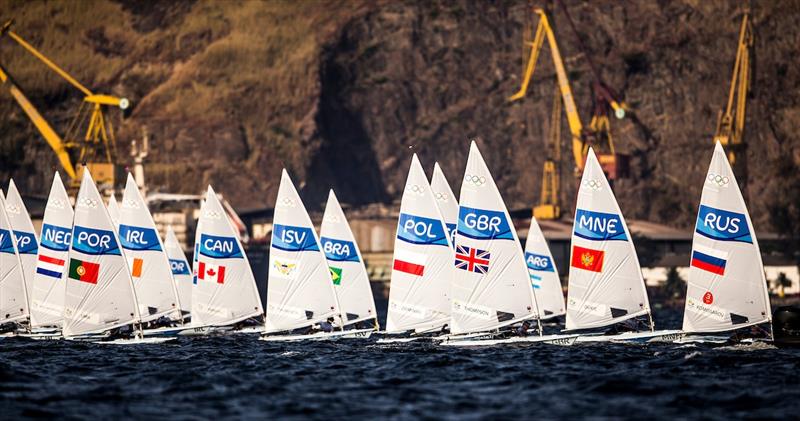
(241, 377)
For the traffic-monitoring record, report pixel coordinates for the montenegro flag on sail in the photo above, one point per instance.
(83, 271)
(587, 259)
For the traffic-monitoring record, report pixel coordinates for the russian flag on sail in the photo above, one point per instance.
(50, 266)
(709, 260)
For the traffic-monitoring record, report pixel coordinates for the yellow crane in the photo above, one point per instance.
(597, 135)
(96, 148)
(730, 123)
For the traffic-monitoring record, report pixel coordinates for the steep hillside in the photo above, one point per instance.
(342, 92)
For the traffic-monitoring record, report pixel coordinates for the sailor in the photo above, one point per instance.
(522, 330)
(327, 325)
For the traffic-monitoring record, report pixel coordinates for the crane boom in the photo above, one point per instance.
(543, 30)
(41, 124)
(730, 124)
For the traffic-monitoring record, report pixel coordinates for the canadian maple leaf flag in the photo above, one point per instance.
(211, 273)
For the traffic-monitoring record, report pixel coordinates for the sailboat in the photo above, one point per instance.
(147, 261)
(606, 286)
(14, 311)
(100, 301)
(446, 200)
(422, 266)
(347, 270)
(25, 236)
(727, 289)
(225, 296)
(47, 294)
(543, 274)
(181, 271)
(300, 291)
(492, 288)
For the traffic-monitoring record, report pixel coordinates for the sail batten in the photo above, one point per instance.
(605, 280)
(491, 286)
(727, 288)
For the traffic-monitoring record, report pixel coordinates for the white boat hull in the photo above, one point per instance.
(562, 340)
(138, 341)
(321, 336)
(634, 337)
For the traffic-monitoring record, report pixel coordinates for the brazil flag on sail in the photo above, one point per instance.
(83, 271)
(336, 275)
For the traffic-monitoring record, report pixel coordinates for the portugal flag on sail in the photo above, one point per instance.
(587, 259)
(83, 271)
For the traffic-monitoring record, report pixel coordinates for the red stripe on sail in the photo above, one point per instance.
(410, 268)
(53, 260)
(719, 270)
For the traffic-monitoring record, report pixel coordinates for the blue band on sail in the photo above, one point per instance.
(26, 242)
(539, 262)
(451, 232)
(482, 224)
(94, 241)
(339, 250)
(6, 244)
(289, 238)
(179, 267)
(599, 226)
(138, 238)
(56, 238)
(220, 247)
(421, 230)
(722, 225)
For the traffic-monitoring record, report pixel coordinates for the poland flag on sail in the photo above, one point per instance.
(605, 280)
(423, 260)
(727, 289)
(348, 273)
(149, 266)
(99, 288)
(226, 291)
(181, 271)
(446, 200)
(544, 275)
(47, 295)
(300, 290)
(13, 295)
(492, 287)
(24, 234)
(113, 210)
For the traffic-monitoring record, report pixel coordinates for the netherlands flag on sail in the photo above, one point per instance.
(709, 260)
(50, 266)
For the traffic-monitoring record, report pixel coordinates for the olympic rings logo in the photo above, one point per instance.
(13, 209)
(212, 214)
(287, 202)
(86, 202)
(441, 196)
(130, 204)
(593, 184)
(56, 204)
(719, 180)
(477, 180)
(334, 219)
(416, 189)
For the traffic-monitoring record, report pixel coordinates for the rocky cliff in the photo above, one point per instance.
(341, 93)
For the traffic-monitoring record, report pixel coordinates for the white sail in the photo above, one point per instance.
(348, 273)
(113, 210)
(47, 295)
(605, 279)
(147, 261)
(13, 295)
(446, 200)
(543, 273)
(25, 236)
(300, 289)
(226, 290)
(99, 289)
(727, 289)
(181, 271)
(491, 287)
(423, 260)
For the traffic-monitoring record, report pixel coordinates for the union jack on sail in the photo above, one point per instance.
(472, 259)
